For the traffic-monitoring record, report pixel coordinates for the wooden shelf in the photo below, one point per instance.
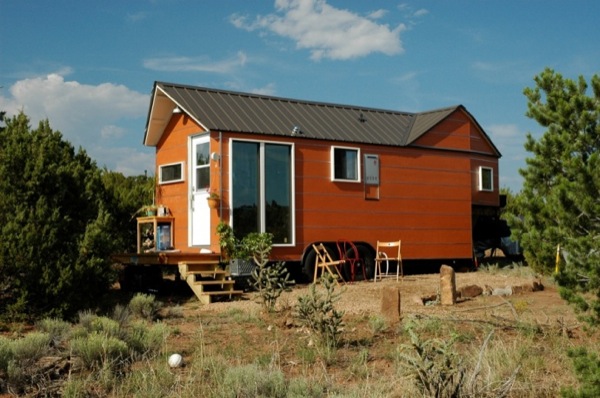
(154, 233)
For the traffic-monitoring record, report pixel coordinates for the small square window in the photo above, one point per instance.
(345, 164)
(169, 173)
(486, 179)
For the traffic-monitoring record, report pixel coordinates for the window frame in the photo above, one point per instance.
(163, 166)
(483, 187)
(261, 185)
(358, 165)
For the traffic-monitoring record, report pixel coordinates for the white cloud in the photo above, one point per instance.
(136, 17)
(503, 131)
(421, 12)
(503, 72)
(112, 131)
(326, 31)
(91, 116)
(196, 64)
(509, 140)
(269, 89)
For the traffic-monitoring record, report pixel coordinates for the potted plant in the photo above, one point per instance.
(238, 253)
(213, 199)
(147, 211)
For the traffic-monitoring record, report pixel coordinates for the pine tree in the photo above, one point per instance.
(560, 200)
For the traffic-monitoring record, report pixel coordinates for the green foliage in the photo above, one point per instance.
(435, 366)
(587, 369)
(144, 341)
(270, 280)
(253, 381)
(55, 227)
(97, 349)
(57, 329)
(5, 353)
(559, 201)
(144, 306)
(125, 195)
(103, 345)
(231, 246)
(317, 311)
(440, 371)
(31, 347)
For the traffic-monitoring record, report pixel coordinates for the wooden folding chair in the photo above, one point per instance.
(324, 262)
(386, 252)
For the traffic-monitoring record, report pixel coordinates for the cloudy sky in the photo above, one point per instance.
(89, 66)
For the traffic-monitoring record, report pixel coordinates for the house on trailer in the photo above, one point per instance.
(310, 172)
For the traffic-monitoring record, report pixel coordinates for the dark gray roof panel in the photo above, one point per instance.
(220, 110)
(424, 121)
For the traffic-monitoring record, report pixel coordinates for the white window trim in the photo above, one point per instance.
(262, 171)
(160, 167)
(483, 169)
(358, 164)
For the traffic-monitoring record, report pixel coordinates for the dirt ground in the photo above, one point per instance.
(362, 300)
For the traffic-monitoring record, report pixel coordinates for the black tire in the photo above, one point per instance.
(308, 267)
(367, 260)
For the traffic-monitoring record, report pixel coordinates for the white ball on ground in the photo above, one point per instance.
(175, 360)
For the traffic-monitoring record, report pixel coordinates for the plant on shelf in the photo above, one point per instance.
(147, 193)
(147, 210)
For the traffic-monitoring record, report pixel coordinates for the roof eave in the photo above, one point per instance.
(162, 107)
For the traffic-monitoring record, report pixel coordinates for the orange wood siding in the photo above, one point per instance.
(426, 191)
(173, 148)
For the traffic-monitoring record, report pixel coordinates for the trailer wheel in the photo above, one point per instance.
(367, 260)
(308, 267)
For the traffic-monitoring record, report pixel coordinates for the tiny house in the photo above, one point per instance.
(310, 172)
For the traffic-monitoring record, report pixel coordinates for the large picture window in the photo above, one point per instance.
(168, 173)
(486, 179)
(262, 189)
(345, 164)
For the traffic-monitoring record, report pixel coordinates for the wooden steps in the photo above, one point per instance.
(207, 280)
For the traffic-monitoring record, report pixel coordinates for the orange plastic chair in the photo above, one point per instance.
(324, 262)
(386, 252)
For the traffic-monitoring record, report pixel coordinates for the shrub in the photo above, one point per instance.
(146, 341)
(121, 314)
(5, 353)
(435, 366)
(149, 382)
(317, 312)
(58, 329)
(107, 326)
(439, 371)
(97, 349)
(587, 369)
(31, 347)
(377, 323)
(144, 306)
(253, 381)
(270, 280)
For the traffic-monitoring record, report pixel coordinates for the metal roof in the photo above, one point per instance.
(228, 111)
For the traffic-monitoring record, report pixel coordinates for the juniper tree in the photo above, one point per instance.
(55, 228)
(560, 200)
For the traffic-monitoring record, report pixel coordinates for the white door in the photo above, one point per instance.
(199, 184)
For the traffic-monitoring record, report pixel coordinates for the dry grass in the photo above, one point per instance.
(238, 349)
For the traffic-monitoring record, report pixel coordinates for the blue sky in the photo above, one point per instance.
(89, 66)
